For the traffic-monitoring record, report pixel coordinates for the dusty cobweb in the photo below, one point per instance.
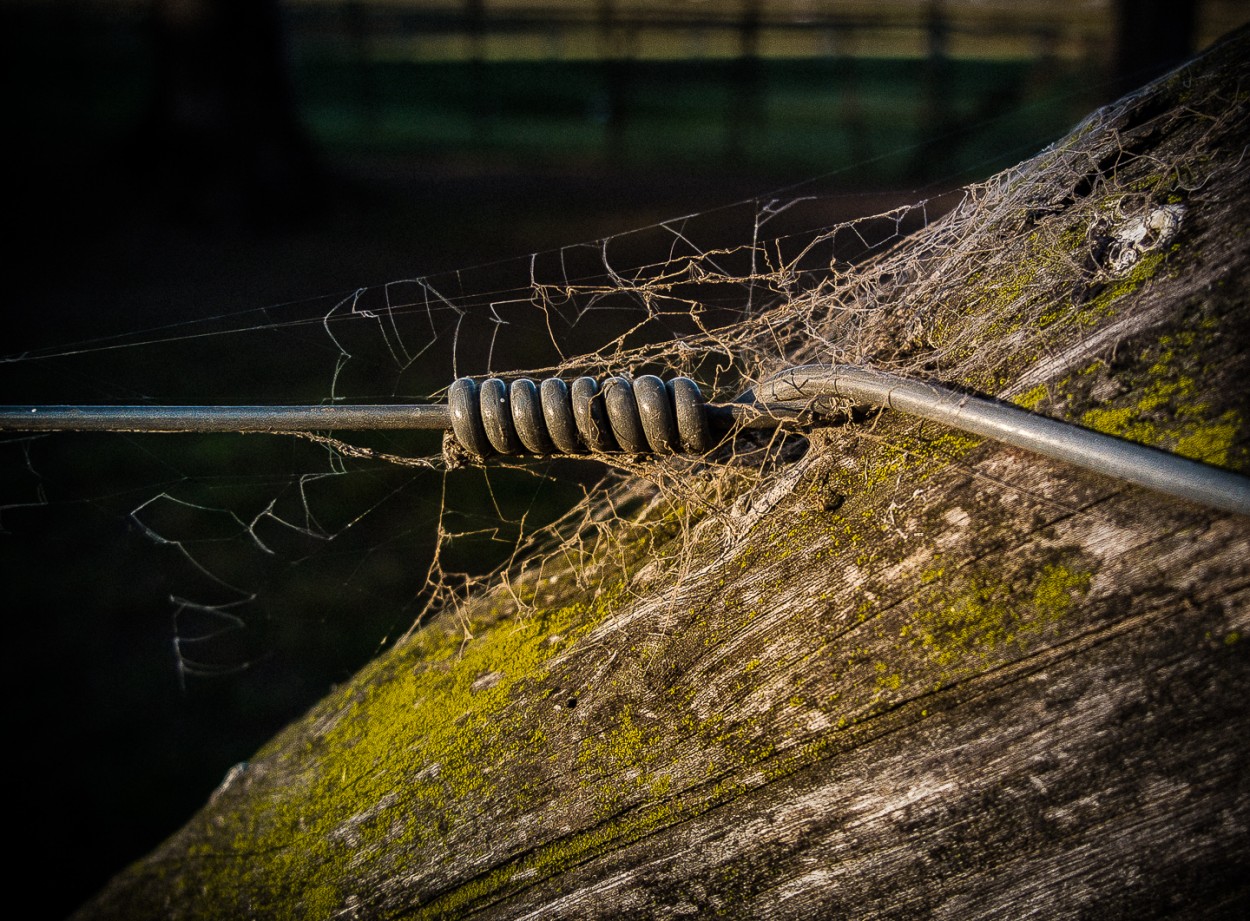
(724, 297)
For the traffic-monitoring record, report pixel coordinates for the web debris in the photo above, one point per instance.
(725, 297)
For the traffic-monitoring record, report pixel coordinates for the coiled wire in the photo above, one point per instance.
(642, 416)
(648, 416)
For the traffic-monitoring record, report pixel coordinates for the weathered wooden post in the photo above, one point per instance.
(905, 673)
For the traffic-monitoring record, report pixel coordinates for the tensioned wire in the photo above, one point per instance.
(649, 416)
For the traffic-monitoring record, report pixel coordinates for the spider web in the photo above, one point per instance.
(724, 297)
(269, 557)
(704, 295)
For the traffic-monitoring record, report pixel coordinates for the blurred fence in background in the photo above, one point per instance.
(903, 90)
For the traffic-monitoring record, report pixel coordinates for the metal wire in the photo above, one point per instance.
(1125, 460)
(222, 418)
(649, 416)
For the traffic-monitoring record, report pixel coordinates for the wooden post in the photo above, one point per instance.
(916, 675)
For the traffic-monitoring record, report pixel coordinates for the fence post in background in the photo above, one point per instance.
(745, 108)
(1150, 37)
(935, 117)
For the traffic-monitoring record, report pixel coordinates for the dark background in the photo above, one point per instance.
(206, 166)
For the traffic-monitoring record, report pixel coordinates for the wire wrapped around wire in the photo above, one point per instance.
(642, 416)
(648, 416)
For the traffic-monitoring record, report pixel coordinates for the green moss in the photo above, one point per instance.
(611, 834)
(973, 620)
(320, 901)
(551, 859)
(1102, 305)
(1032, 399)
(1165, 412)
(904, 455)
(618, 762)
(430, 721)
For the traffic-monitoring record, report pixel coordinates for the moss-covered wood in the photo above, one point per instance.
(910, 674)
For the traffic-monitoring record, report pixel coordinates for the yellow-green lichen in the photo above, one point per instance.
(905, 455)
(551, 859)
(976, 620)
(1028, 300)
(1142, 271)
(1167, 411)
(618, 760)
(1032, 399)
(886, 679)
(430, 722)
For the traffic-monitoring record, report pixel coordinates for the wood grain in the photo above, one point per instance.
(904, 674)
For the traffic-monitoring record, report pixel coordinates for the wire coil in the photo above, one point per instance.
(646, 415)
(642, 416)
